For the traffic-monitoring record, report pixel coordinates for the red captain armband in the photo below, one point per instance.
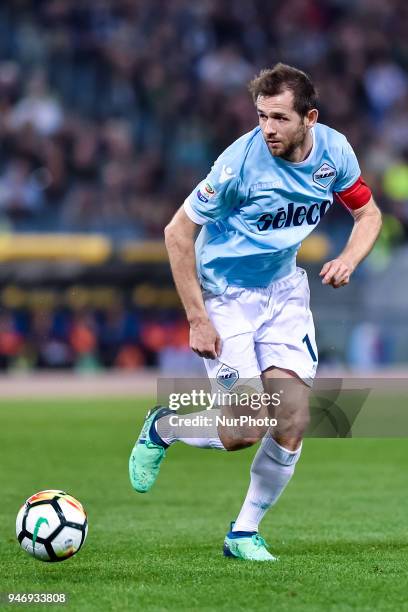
(355, 196)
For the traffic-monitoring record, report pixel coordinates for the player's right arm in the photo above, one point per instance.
(209, 202)
(179, 238)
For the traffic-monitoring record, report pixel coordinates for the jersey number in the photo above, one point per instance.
(306, 340)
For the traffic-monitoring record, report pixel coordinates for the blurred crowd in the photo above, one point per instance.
(111, 111)
(89, 339)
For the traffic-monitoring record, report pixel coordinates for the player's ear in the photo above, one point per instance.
(311, 117)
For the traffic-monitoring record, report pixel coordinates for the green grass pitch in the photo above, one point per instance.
(340, 528)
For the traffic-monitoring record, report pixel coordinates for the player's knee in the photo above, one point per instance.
(294, 426)
(234, 444)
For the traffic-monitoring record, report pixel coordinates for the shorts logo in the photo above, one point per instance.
(227, 377)
(202, 197)
(325, 175)
(209, 190)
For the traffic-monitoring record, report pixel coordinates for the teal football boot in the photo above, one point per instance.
(247, 545)
(148, 452)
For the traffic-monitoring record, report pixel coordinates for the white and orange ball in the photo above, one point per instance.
(51, 525)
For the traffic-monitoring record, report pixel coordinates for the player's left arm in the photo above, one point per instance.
(367, 226)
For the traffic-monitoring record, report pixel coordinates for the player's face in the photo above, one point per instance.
(286, 133)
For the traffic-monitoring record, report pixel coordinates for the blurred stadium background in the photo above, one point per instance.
(111, 111)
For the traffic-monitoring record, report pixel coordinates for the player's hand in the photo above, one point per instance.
(204, 339)
(336, 272)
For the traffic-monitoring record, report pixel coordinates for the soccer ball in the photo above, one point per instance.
(51, 525)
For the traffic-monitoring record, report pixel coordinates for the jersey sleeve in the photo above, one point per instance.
(356, 196)
(349, 170)
(219, 192)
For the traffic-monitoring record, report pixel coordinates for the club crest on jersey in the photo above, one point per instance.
(325, 175)
(227, 377)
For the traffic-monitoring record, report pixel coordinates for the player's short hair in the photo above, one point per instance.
(273, 81)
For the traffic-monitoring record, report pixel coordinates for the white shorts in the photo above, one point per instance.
(263, 327)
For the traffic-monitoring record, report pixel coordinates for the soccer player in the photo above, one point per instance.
(246, 301)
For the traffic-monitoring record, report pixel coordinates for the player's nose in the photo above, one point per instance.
(270, 128)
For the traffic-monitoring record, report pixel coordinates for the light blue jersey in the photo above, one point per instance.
(256, 209)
